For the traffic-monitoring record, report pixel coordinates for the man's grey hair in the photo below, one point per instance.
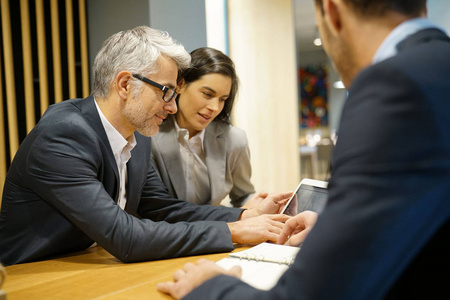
(136, 50)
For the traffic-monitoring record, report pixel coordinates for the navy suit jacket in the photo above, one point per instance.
(61, 191)
(385, 232)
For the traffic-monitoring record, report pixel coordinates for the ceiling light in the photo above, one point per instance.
(317, 42)
(339, 85)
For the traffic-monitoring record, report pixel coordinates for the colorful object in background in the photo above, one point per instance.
(313, 103)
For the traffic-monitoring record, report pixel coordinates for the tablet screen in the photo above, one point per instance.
(307, 197)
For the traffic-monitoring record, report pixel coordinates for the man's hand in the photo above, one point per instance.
(191, 276)
(258, 229)
(297, 228)
(272, 204)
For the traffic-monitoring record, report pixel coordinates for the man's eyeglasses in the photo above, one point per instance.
(168, 93)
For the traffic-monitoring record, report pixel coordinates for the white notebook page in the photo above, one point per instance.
(263, 264)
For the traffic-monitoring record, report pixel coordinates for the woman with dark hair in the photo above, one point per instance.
(198, 154)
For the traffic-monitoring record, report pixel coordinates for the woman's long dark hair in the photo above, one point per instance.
(208, 61)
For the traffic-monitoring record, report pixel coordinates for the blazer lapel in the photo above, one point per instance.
(215, 149)
(167, 143)
(137, 169)
(89, 110)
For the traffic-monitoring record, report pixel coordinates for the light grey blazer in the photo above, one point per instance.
(227, 160)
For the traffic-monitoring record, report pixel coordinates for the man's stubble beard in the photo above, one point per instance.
(136, 115)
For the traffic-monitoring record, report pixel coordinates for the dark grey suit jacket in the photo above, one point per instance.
(385, 232)
(61, 191)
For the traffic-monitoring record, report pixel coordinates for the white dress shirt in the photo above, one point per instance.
(198, 188)
(121, 149)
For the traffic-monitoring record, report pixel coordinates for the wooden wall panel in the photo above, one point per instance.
(3, 150)
(8, 76)
(84, 48)
(56, 48)
(42, 55)
(70, 50)
(27, 65)
(44, 43)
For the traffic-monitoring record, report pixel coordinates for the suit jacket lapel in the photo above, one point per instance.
(137, 169)
(215, 149)
(90, 112)
(168, 146)
(132, 188)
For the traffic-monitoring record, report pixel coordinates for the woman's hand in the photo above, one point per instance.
(271, 204)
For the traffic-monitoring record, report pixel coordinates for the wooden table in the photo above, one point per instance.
(93, 274)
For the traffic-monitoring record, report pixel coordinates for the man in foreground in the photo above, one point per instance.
(385, 232)
(83, 174)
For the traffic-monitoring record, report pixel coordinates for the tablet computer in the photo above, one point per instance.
(310, 194)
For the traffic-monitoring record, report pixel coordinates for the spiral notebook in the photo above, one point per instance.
(262, 265)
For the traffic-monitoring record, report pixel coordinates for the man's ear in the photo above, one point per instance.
(122, 84)
(332, 12)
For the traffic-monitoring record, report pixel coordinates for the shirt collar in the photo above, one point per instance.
(116, 140)
(183, 131)
(389, 46)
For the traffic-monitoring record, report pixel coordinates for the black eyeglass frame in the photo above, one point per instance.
(163, 88)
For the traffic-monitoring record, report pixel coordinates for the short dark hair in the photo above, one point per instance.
(212, 61)
(412, 8)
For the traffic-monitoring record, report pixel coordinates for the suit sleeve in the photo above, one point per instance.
(158, 205)
(66, 169)
(388, 198)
